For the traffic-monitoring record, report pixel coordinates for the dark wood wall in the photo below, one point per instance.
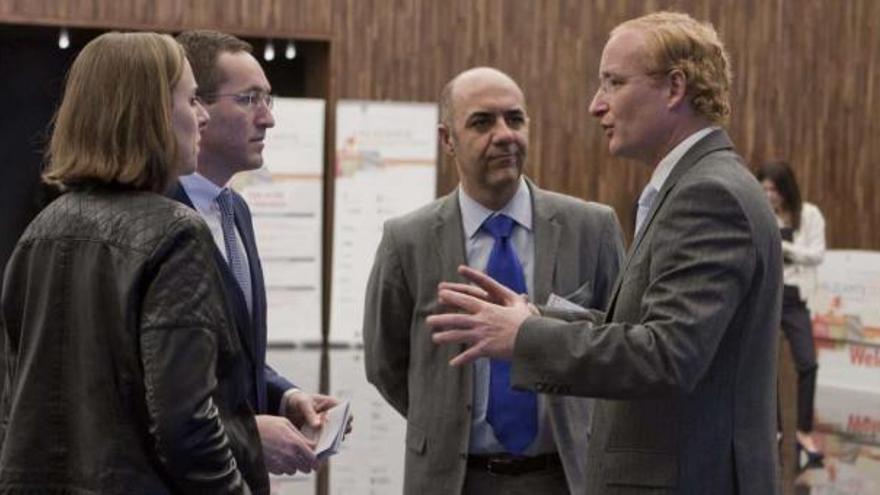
(807, 76)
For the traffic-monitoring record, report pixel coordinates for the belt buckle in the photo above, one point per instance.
(500, 466)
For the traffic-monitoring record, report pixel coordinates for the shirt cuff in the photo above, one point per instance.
(282, 408)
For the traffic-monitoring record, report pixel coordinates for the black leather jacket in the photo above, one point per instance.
(125, 373)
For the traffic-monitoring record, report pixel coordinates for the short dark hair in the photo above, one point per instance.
(782, 176)
(203, 47)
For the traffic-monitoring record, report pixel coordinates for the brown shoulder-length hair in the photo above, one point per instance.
(114, 123)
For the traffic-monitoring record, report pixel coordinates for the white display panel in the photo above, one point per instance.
(303, 368)
(386, 157)
(846, 320)
(286, 201)
(371, 459)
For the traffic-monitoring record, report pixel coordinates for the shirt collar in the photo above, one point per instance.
(664, 168)
(201, 191)
(519, 208)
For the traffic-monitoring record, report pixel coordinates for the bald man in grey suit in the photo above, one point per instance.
(566, 247)
(684, 359)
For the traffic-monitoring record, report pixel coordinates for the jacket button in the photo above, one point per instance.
(463, 456)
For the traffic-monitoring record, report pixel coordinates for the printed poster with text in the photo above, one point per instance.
(285, 197)
(370, 461)
(846, 320)
(385, 166)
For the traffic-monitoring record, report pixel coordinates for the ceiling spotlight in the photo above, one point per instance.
(63, 39)
(269, 51)
(290, 51)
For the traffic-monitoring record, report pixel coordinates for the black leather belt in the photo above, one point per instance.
(512, 465)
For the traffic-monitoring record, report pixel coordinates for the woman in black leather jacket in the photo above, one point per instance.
(125, 374)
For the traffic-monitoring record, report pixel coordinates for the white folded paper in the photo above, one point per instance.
(559, 302)
(330, 434)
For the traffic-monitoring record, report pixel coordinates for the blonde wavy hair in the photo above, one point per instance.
(677, 41)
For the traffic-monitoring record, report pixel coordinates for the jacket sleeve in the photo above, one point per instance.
(276, 385)
(183, 325)
(387, 316)
(701, 264)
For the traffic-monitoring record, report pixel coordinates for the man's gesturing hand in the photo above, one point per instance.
(490, 321)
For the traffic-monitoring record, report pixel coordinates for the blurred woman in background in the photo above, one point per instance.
(125, 374)
(803, 247)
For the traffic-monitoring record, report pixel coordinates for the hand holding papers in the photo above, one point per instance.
(561, 303)
(329, 436)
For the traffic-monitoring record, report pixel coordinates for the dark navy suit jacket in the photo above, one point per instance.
(268, 386)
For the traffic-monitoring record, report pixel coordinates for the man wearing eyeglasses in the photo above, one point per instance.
(684, 359)
(236, 94)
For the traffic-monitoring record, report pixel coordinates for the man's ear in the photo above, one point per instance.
(446, 139)
(678, 82)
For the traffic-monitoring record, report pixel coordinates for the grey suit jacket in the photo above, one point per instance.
(686, 357)
(578, 250)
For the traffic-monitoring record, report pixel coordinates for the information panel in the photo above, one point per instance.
(846, 320)
(385, 166)
(285, 197)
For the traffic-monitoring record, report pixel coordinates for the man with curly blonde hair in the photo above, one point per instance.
(684, 358)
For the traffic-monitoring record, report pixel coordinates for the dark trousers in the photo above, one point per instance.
(548, 482)
(798, 330)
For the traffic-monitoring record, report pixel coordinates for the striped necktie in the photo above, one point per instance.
(234, 255)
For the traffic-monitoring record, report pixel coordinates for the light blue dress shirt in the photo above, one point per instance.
(203, 194)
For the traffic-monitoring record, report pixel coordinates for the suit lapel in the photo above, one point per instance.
(177, 193)
(449, 248)
(715, 141)
(449, 237)
(255, 331)
(235, 298)
(546, 236)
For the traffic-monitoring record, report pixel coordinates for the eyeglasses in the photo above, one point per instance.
(246, 99)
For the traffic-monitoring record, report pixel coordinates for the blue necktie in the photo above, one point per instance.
(234, 256)
(513, 414)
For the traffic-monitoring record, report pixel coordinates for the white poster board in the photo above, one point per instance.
(371, 459)
(386, 157)
(854, 414)
(846, 320)
(285, 197)
(303, 367)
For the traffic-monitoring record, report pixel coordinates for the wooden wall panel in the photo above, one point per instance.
(806, 87)
(309, 19)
